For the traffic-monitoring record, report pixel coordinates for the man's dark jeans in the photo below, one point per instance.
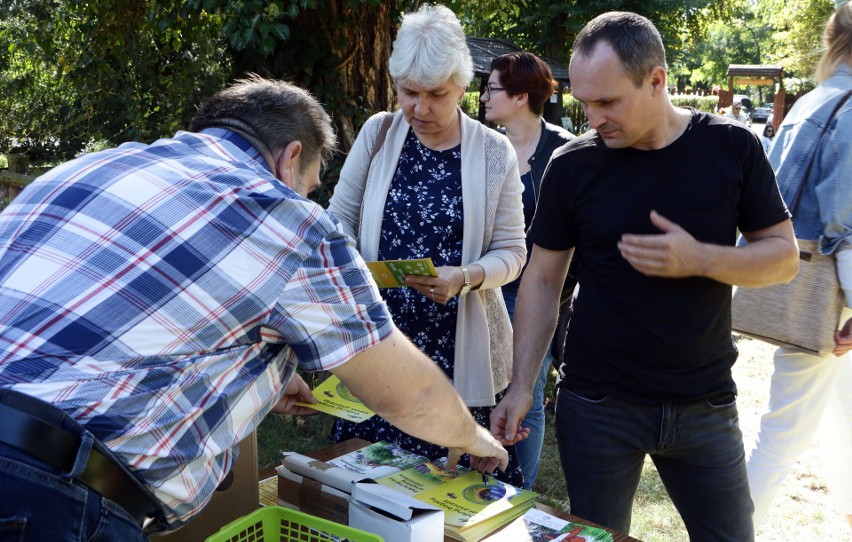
(697, 449)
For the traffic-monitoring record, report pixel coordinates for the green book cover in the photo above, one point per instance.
(421, 477)
(391, 273)
(335, 399)
(477, 501)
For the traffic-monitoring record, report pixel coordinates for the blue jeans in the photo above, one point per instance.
(529, 450)
(39, 503)
(697, 449)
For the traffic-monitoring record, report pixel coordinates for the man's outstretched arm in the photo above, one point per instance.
(401, 384)
(534, 322)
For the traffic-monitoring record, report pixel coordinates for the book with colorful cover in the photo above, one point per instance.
(539, 526)
(420, 477)
(476, 504)
(391, 273)
(335, 399)
(377, 460)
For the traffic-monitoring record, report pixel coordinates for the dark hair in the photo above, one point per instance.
(525, 72)
(768, 127)
(634, 39)
(270, 114)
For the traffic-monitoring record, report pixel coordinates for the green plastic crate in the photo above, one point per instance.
(279, 524)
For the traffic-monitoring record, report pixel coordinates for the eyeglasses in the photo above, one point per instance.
(489, 89)
(737, 108)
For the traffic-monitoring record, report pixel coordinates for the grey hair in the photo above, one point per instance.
(430, 48)
(270, 114)
(634, 39)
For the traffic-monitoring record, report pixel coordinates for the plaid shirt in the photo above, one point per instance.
(163, 294)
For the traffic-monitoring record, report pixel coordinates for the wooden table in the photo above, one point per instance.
(269, 492)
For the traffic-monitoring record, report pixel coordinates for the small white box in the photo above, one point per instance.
(394, 515)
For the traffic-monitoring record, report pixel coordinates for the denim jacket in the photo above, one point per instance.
(825, 209)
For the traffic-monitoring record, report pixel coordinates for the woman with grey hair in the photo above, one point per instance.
(428, 181)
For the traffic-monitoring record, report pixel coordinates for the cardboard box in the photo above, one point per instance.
(239, 499)
(312, 497)
(315, 487)
(394, 515)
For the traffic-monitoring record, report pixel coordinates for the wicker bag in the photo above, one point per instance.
(803, 314)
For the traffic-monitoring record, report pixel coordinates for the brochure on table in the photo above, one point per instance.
(539, 526)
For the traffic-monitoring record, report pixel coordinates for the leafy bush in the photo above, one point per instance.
(574, 111)
(700, 103)
(470, 103)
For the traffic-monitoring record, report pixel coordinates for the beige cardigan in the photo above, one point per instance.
(493, 238)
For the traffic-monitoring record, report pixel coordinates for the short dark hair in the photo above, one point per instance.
(634, 39)
(270, 113)
(525, 72)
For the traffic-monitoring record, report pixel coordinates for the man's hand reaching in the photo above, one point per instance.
(486, 454)
(297, 391)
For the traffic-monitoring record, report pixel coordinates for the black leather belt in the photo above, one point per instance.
(58, 448)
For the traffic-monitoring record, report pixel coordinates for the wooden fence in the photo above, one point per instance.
(14, 179)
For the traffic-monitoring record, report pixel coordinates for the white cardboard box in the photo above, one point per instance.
(394, 515)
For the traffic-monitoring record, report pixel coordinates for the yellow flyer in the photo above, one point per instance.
(338, 401)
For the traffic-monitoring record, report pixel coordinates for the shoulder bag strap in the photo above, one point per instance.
(380, 140)
(794, 206)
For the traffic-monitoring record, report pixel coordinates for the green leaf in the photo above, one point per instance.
(280, 31)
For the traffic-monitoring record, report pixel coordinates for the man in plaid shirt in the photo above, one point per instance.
(155, 301)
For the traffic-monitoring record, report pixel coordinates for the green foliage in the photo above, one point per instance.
(742, 40)
(796, 40)
(470, 103)
(76, 71)
(574, 111)
(548, 28)
(73, 71)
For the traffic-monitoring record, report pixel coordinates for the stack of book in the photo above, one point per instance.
(474, 504)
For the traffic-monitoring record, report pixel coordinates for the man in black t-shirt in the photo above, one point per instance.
(651, 201)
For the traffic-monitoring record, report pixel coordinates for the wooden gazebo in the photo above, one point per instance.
(760, 75)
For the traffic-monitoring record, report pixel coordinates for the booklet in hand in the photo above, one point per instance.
(335, 399)
(391, 273)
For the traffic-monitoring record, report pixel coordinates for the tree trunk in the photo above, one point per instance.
(340, 54)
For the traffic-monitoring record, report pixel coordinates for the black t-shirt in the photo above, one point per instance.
(650, 338)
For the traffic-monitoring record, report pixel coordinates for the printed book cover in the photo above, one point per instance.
(391, 273)
(377, 460)
(338, 401)
(476, 504)
(539, 526)
(420, 477)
